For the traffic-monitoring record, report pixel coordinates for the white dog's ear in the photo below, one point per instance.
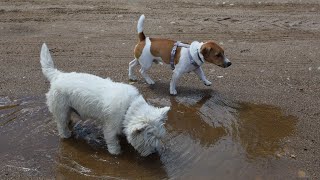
(165, 110)
(139, 128)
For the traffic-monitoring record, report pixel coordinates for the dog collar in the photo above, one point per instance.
(194, 52)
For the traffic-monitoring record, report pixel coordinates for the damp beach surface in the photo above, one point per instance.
(207, 136)
(258, 120)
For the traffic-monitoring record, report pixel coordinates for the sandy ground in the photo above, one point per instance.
(274, 48)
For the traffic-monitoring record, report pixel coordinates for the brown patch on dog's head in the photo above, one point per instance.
(213, 53)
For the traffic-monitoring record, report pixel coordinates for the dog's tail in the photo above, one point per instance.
(140, 28)
(47, 64)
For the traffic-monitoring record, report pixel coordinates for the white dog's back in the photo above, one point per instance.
(85, 92)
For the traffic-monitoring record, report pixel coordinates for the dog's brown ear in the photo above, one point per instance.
(205, 51)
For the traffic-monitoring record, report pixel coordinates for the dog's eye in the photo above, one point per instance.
(219, 55)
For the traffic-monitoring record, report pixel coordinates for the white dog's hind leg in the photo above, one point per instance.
(202, 77)
(132, 65)
(110, 136)
(61, 113)
(144, 74)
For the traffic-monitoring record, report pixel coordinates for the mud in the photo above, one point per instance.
(207, 136)
(259, 119)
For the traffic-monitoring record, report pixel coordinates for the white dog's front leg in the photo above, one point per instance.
(201, 75)
(175, 76)
(110, 136)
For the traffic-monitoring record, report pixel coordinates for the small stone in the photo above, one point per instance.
(293, 156)
(219, 76)
(278, 155)
(301, 174)
(223, 2)
(319, 68)
(120, 16)
(172, 22)
(310, 68)
(231, 4)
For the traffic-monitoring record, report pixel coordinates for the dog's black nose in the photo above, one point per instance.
(229, 64)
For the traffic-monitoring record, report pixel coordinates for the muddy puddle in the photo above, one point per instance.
(208, 137)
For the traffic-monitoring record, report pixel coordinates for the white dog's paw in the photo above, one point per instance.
(173, 92)
(65, 134)
(207, 83)
(115, 150)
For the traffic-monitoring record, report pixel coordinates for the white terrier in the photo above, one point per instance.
(117, 107)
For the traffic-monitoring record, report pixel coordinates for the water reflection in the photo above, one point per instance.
(208, 136)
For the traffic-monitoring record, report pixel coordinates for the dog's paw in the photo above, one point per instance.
(173, 92)
(65, 135)
(207, 83)
(133, 78)
(115, 150)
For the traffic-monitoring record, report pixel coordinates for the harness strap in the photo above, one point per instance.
(174, 50)
(173, 53)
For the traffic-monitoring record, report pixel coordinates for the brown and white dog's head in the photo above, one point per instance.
(213, 53)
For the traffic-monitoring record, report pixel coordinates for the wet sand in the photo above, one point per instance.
(259, 120)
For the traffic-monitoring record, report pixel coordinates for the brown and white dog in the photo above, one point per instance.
(182, 57)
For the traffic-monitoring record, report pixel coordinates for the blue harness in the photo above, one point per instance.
(174, 50)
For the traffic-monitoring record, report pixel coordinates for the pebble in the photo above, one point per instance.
(293, 156)
(301, 174)
(219, 76)
(172, 22)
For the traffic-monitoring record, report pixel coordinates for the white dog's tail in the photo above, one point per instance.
(47, 64)
(142, 37)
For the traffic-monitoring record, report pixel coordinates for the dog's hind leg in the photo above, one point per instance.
(132, 65)
(144, 74)
(61, 113)
(110, 136)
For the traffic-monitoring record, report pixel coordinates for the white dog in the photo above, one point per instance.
(183, 58)
(117, 107)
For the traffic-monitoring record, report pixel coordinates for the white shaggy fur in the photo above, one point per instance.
(117, 107)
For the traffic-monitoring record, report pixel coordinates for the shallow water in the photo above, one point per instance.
(208, 137)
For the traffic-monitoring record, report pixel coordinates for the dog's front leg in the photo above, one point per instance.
(111, 138)
(175, 76)
(201, 75)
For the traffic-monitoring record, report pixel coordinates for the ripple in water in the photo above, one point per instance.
(208, 136)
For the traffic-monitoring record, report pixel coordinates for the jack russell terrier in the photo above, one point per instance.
(182, 57)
